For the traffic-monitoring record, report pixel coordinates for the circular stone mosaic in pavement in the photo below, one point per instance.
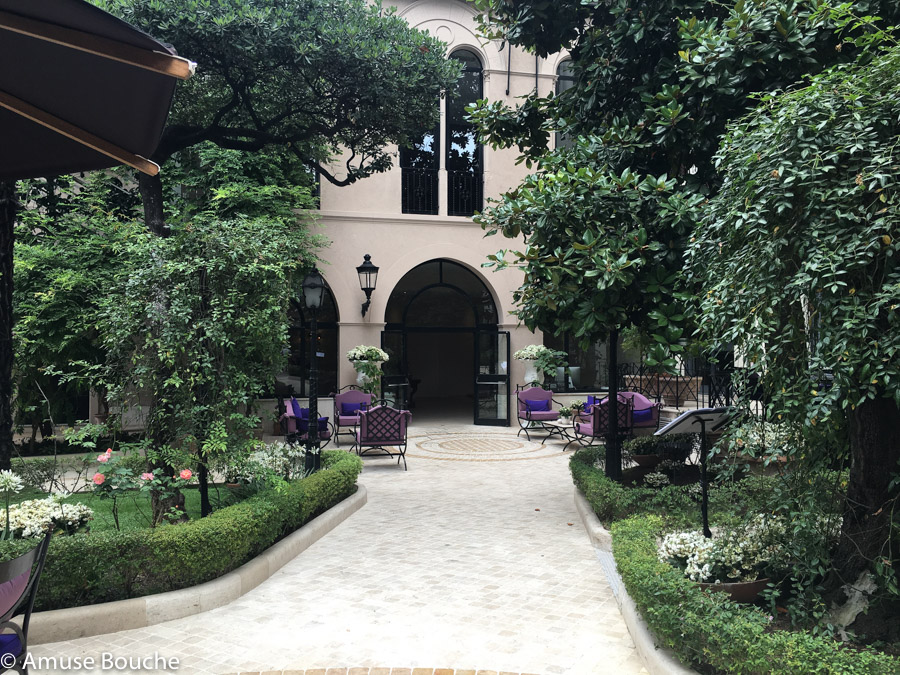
(470, 447)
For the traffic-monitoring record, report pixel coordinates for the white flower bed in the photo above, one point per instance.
(729, 557)
(35, 517)
(531, 352)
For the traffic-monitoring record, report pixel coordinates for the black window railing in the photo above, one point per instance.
(420, 191)
(465, 191)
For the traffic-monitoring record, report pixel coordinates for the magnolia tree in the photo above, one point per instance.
(799, 263)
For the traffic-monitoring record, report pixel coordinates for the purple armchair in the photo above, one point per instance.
(383, 427)
(347, 406)
(645, 413)
(535, 405)
(598, 425)
(295, 424)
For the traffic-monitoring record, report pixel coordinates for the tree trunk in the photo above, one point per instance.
(152, 197)
(7, 239)
(875, 448)
(613, 464)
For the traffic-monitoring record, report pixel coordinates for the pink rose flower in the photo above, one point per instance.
(109, 451)
(147, 476)
(186, 474)
(103, 458)
(99, 478)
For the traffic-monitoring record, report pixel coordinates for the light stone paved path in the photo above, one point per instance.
(473, 559)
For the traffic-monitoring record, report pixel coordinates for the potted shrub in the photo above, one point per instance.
(367, 362)
(540, 360)
(737, 562)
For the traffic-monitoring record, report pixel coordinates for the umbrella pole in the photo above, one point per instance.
(8, 205)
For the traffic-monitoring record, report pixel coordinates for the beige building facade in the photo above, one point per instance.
(444, 319)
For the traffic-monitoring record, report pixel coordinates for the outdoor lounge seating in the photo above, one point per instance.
(597, 427)
(18, 586)
(535, 406)
(645, 413)
(383, 427)
(295, 424)
(347, 406)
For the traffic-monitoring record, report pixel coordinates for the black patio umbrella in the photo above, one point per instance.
(79, 90)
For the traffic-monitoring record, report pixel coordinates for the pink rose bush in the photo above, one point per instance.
(185, 474)
(99, 479)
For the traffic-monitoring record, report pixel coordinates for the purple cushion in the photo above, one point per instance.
(297, 410)
(11, 591)
(585, 429)
(348, 420)
(591, 401)
(639, 416)
(543, 415)
(10, 644)
(352, 408)
(536, 406)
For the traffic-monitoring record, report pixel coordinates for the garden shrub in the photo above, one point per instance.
(706, 627)
(87, 569)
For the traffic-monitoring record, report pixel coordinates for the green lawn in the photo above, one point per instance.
(134, 509)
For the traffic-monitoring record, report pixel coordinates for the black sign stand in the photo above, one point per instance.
(711, 418)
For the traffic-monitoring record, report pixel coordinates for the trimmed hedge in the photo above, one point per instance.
(613, 501)
(708, 628)
(86, 569)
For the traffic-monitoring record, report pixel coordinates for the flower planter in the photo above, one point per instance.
(741, 591)
(531, 371)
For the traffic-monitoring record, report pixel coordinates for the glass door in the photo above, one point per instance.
(492, 378)
(395, 379)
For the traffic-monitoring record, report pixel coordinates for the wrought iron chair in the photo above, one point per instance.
(535, 406)
(18, 587)
(383, 427)
(598, 426)
(645, 413)
(347, 406)
(295, 425)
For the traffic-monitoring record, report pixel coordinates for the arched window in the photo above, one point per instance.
(419, 174)
(297, 374)
(465, 170)
(565, 80)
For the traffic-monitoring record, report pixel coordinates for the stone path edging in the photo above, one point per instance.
(109, 617)
(657, 660)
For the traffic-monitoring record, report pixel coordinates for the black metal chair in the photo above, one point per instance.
(18, 587)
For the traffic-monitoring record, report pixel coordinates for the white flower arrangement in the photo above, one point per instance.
(731, 556)
(367, 353)
(36, 517)
(656, 480)
(531, 352)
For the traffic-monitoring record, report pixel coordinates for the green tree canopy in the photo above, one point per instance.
(327, 79)
(798, 262)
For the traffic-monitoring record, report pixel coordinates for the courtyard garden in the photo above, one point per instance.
(720, 179)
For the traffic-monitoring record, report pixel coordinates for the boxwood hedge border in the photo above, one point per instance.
(87, 569)
(706, 629)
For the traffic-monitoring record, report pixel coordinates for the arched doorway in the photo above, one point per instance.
(441, 332)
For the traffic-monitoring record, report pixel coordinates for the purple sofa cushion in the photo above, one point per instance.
(299, 413)
(10, 644)
(639, 416)
(586, 429)
(352, 408)
(348, 420)
(543, 415)
(537, 406)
